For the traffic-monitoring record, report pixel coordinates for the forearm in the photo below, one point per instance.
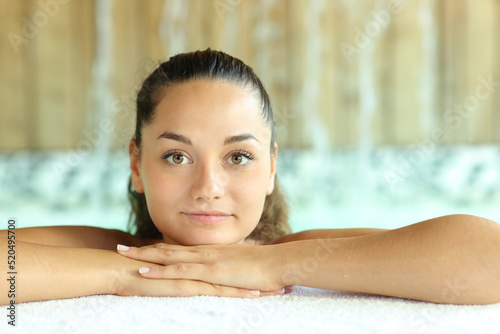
(49, 272)
(452, 259)
(74, 236)
(326, 233)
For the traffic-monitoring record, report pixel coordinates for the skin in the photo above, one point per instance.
(212, 175)
(458, 254)
(450, 259)
(209, 127)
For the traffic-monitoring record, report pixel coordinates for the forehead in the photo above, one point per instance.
(210, 107)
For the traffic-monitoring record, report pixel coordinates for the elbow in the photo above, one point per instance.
(478, 253)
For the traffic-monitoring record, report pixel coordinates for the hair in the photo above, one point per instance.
(203, 65)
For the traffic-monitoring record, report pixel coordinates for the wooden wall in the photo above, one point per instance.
(340, 73)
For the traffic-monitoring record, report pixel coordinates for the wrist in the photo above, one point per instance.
(120, 273)
(287, 264)
(305, 262)
(123, 275)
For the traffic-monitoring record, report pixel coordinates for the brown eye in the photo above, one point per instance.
(236, 159)
(240, 158)
(178, 159)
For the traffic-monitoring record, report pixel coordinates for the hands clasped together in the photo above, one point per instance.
(219, 270)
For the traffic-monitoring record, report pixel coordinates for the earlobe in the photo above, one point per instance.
(135, 170)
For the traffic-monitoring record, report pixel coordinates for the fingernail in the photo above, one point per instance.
(254, 292)
(143, 270)
(122, 247)
(282, 290)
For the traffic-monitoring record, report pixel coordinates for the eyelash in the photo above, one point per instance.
(244, 153)
(241, 152)
(170, 153)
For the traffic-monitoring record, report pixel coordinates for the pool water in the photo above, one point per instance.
(384, 188)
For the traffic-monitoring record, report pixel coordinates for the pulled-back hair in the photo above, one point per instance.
(203, 65)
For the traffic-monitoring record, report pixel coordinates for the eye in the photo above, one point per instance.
(240, 158)
(176, 158)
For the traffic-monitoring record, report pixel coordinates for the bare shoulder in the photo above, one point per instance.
(77, 236)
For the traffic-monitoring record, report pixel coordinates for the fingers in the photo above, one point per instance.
(186, 288)
(207, 289)
(199, 264)
(282, 291)
(192, 271)
(197, 272)
(158, 253)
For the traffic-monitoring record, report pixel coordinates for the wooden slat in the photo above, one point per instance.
(53, 44)
(174, 20)
(495, 71)
(125, 60)
(327, 83)
(15, 122)
(82, 48)
(269, 33)
(346, 68)
(480, 64)
(293, 46)
(458, 66)
(384, 130)
(407, 123)
(446, 75)
(297, 69)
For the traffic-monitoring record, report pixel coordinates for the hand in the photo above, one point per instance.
(244, 266)
(128, 282)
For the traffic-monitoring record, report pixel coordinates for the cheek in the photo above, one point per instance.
(249, 190)
(162, 190)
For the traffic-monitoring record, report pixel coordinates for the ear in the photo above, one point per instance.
(274, 158)
(135, 166)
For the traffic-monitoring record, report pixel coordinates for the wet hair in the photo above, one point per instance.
(203, 65)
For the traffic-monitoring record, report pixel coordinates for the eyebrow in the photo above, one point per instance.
(176, 137)
(239, 138)
(227, 141)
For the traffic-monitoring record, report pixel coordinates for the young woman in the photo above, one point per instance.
(208, 218)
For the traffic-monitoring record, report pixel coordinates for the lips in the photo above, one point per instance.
(207, 213)
(207, 217)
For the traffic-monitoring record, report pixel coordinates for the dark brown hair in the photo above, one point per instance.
(203, 65)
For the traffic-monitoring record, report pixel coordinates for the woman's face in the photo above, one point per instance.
(205, 164)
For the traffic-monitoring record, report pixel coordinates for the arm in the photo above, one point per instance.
(49, 272)
(75, 236)
(450, 259)
(325, 234)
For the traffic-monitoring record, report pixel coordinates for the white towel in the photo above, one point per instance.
(306, 310)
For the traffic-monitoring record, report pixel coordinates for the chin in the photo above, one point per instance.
(195, 239)
(212, 240)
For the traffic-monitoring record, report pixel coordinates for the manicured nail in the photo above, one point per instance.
(143, 270)
(254, 292)
(122, 247)
(282, 290)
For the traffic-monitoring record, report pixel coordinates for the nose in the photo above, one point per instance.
(208, 182)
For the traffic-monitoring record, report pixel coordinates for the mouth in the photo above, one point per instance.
(207, 217)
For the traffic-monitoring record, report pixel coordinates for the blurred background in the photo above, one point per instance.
(387, 110)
